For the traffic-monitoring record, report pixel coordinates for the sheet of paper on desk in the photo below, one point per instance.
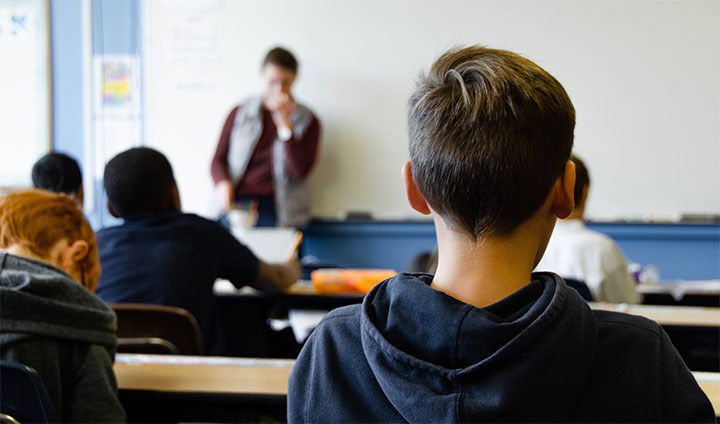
(268, 244)
(303, 322)
(135, 358)
(224, 286)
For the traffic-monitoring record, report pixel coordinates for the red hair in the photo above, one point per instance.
(37, 220)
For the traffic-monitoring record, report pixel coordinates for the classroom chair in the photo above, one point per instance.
(146, 328)
(23, 395)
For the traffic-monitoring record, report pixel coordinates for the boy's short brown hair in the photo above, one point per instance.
(490, 131)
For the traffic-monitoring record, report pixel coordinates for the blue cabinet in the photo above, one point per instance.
(679, 251)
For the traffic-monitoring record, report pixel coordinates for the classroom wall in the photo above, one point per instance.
(357, 79)
(67, 76)
(117, 29)
(643, 74)
(83, 31)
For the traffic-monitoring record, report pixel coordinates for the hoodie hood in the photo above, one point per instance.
(39, 300)
(506, 361)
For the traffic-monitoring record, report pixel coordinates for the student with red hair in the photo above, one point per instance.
(51, 319)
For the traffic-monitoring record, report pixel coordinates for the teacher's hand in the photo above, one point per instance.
(226, 194)
(282, 105)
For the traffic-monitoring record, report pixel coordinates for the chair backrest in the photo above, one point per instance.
(149, 345)
(581, 288)
(23, 395)
(145, 328)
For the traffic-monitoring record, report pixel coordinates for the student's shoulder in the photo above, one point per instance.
(619, 323)
(342, 316)
(344, 313)
(109, 231)
(336, 340)
(197, 219)
(163, 222)
(343, 321)
(201, 223)
(628, 344)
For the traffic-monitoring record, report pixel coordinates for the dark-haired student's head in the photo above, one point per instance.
(59, 173)
(490, 133)
(582, 187)
(138, 181)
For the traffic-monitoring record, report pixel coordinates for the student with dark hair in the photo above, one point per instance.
(59, 173)
(50, 320)
(579, 253)
(140, 181)
(162, 256)
(267, 148)
(485, 339)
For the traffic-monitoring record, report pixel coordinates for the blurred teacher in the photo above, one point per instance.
(267, 148)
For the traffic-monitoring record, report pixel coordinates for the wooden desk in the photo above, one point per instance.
(684, 316)
(708, 291)
(688, 293)
(234, 380)
(663, 315)
(172, 388)
(243, 316)
(695, 331)
(682, 288)
(198, 374)
(710, 384)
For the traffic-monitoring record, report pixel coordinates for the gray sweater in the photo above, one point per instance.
(68, 335)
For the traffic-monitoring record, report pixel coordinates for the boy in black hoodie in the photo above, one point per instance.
(485, 339)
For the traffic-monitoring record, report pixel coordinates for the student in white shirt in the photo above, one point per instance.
(577, 252)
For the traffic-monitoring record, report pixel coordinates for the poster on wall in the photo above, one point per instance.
(117, 106)
(25, 123)
(117, 86)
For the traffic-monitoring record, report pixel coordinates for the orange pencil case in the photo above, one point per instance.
(348, 280)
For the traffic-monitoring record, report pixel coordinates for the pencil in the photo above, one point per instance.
(295, 245)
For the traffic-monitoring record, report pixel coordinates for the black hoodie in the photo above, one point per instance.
(51, 323)
(411, 353)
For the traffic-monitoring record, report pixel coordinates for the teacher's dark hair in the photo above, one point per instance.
(139, 180)
(281, 57)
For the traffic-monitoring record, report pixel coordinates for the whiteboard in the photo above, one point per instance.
(24, 89)
(644, 76)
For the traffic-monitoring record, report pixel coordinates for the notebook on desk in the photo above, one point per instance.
(270, 244)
